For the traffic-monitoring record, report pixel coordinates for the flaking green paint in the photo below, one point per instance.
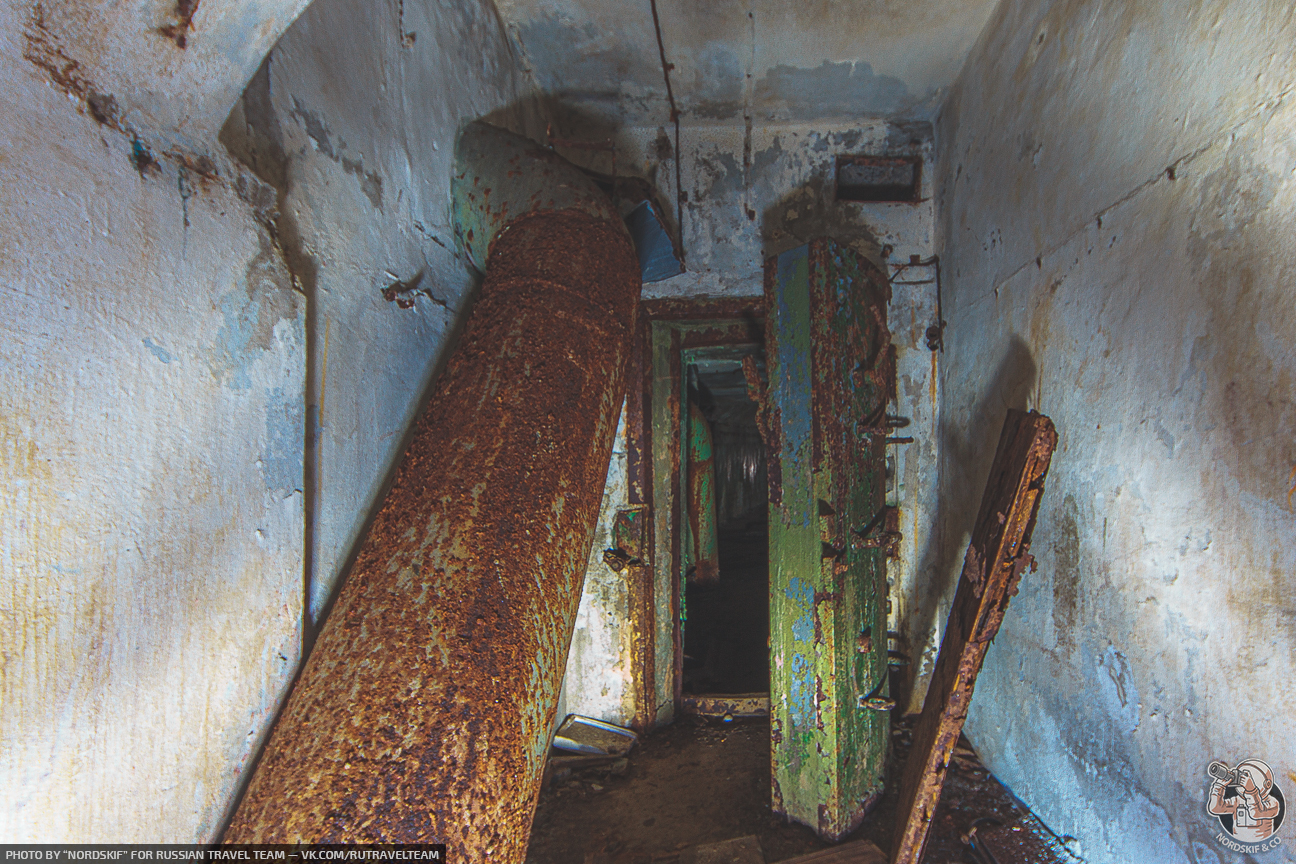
(700, 552)
(827, 754)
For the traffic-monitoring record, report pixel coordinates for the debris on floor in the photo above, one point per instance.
(734, 706)
(742, 850)
(855, 852)
(703, 781)
(1025, 840)
(586, 735)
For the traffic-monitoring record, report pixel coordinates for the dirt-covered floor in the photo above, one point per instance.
(700, 781)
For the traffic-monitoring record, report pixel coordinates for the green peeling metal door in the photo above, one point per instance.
(831, 375)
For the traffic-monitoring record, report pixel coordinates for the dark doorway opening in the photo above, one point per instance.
(726, 622)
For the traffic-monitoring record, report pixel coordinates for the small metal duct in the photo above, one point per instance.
(423, 712)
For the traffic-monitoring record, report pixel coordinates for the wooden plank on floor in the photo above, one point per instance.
(996, 557)
(857, 852)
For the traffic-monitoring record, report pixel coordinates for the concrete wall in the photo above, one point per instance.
(1116, 193)
(599, 681)
(152, 364)
(164, 69)
(354, 117)
(753, 193)
(200, 396)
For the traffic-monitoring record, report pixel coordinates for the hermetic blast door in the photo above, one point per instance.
(831, 376)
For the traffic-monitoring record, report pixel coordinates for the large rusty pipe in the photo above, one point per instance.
(424, 710)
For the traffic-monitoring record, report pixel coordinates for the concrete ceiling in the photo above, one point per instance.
(769, 60)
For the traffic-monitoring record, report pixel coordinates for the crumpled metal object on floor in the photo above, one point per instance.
(579, 734)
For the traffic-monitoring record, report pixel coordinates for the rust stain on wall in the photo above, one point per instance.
(182, 22)
(44, 50)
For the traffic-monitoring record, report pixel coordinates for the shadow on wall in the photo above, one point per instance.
(252, 134)
(812, 211)
(634, 181)
(967, 443)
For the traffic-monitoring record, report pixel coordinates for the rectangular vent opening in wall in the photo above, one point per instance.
(878, 178)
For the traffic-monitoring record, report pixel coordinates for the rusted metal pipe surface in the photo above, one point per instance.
(423, 712)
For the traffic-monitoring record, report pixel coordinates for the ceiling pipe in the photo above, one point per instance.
(423, 713)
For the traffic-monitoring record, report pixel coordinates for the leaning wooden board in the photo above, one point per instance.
(996, 557)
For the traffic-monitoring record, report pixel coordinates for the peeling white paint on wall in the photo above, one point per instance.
(1117, 191)
(598, 682)
(151, 396)
(158, 346)
(165, 70)
(358, 108)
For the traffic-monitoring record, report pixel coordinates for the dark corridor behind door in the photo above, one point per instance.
(726, 628)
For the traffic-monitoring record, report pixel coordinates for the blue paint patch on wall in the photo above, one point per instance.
(1119, 691)
(579, 63)
(284, 456)
(830, 89)
(233, 338)
(251, 312)
(157, 350)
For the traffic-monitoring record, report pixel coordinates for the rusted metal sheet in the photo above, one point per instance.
(997, 555)
(423, 712)
(702, 558)
(735, 705)
(831, 374)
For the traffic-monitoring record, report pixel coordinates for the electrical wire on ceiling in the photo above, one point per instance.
(675, 115)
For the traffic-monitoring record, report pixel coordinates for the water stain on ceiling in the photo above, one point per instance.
(739, 59)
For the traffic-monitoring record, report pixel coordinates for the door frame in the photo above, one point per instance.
(667, 327)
